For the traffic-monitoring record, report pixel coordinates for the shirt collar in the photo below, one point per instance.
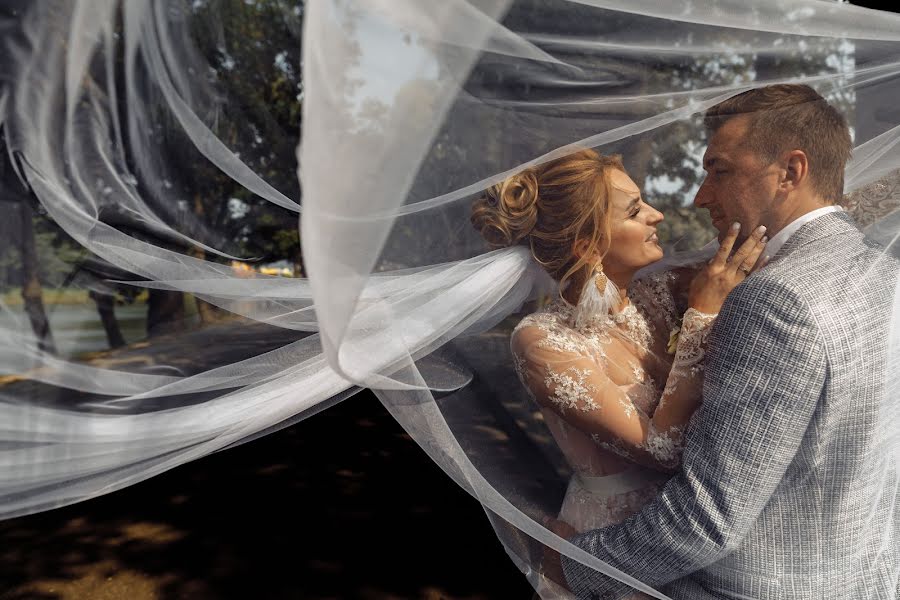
(778, 240)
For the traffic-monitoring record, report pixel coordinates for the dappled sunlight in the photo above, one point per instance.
(110, 581)
(242, 523)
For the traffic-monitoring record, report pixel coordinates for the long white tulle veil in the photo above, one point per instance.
(153, 155)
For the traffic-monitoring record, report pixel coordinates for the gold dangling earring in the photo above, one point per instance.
(600, 279)
(597, 297)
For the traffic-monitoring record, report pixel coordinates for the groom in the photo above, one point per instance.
(786, 488)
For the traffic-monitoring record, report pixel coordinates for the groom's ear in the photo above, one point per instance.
(795, 170)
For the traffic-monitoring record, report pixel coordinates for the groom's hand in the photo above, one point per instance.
(551, 566)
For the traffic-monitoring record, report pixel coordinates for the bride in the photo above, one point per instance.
(615, 363)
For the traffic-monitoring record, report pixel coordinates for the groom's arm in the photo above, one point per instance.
(764, 375)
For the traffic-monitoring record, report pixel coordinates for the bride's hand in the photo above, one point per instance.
(725, 271)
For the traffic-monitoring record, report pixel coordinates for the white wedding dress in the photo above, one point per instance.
(620, 367)
(613, 367)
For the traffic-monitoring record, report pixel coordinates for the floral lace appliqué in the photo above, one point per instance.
(557, 335)
(665, 447)
(874, 201)
(692, 338)
(572, 389)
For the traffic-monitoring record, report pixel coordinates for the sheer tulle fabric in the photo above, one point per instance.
(410, 109)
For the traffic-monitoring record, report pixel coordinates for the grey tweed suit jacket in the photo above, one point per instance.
(783, 492)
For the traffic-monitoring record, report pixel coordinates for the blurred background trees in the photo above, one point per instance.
(254, 106)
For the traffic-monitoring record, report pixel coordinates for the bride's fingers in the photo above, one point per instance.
(753, 263)
(727, 244)
(751, 246)
(762, 263)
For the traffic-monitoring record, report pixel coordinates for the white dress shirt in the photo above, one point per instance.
(778, 240)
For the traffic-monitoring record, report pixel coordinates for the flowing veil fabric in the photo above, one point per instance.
(128, 126)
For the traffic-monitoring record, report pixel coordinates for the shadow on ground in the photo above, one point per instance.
(343, 505)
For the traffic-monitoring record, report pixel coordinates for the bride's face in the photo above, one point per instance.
(633, 240)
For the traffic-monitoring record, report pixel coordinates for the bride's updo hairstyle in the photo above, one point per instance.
(553, 208)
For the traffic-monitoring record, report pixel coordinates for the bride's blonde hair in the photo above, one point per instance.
(554, 208)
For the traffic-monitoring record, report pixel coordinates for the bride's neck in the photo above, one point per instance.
(623, 293)
(622, 279)
(622, 282)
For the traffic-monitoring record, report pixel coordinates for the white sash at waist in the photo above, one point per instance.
(630, 480)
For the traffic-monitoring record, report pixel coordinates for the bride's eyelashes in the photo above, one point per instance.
(636, 210)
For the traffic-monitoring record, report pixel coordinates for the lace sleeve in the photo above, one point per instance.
(563, 374)
(691, 347)
(683, 391)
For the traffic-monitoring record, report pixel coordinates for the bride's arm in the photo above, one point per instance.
(684, 387)
(564, 378)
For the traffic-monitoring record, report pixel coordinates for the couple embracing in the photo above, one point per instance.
(724, 420)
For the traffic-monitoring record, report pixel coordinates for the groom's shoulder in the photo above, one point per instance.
(821, 273)
(798, 279)
(770, 290)
(843, 252)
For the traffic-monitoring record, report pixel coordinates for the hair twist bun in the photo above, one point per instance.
(508, 211)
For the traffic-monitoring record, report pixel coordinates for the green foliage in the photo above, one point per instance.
(253, 50)
(56, 253)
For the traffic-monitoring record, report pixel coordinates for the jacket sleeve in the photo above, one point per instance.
(765, 373)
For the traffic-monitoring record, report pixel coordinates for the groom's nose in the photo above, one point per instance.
(703, 198)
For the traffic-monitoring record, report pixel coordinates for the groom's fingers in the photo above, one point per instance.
(727, 244)
(749, 252)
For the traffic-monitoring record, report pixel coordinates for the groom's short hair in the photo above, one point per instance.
(786, 117)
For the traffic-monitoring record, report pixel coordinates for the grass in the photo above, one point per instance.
(57, 296)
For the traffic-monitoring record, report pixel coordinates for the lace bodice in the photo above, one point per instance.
(601, 386)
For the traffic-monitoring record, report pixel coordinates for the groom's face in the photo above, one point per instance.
(739, 186)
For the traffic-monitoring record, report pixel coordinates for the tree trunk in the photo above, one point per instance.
(32, 292)
(106, 306)
(299, 268)
(165, 312)
(205, 310)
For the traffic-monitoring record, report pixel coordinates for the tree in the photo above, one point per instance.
(245, 63)
(17, 196)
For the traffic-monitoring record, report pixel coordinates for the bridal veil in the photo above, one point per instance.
(137, 130)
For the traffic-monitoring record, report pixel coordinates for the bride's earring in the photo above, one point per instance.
(598, 298)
